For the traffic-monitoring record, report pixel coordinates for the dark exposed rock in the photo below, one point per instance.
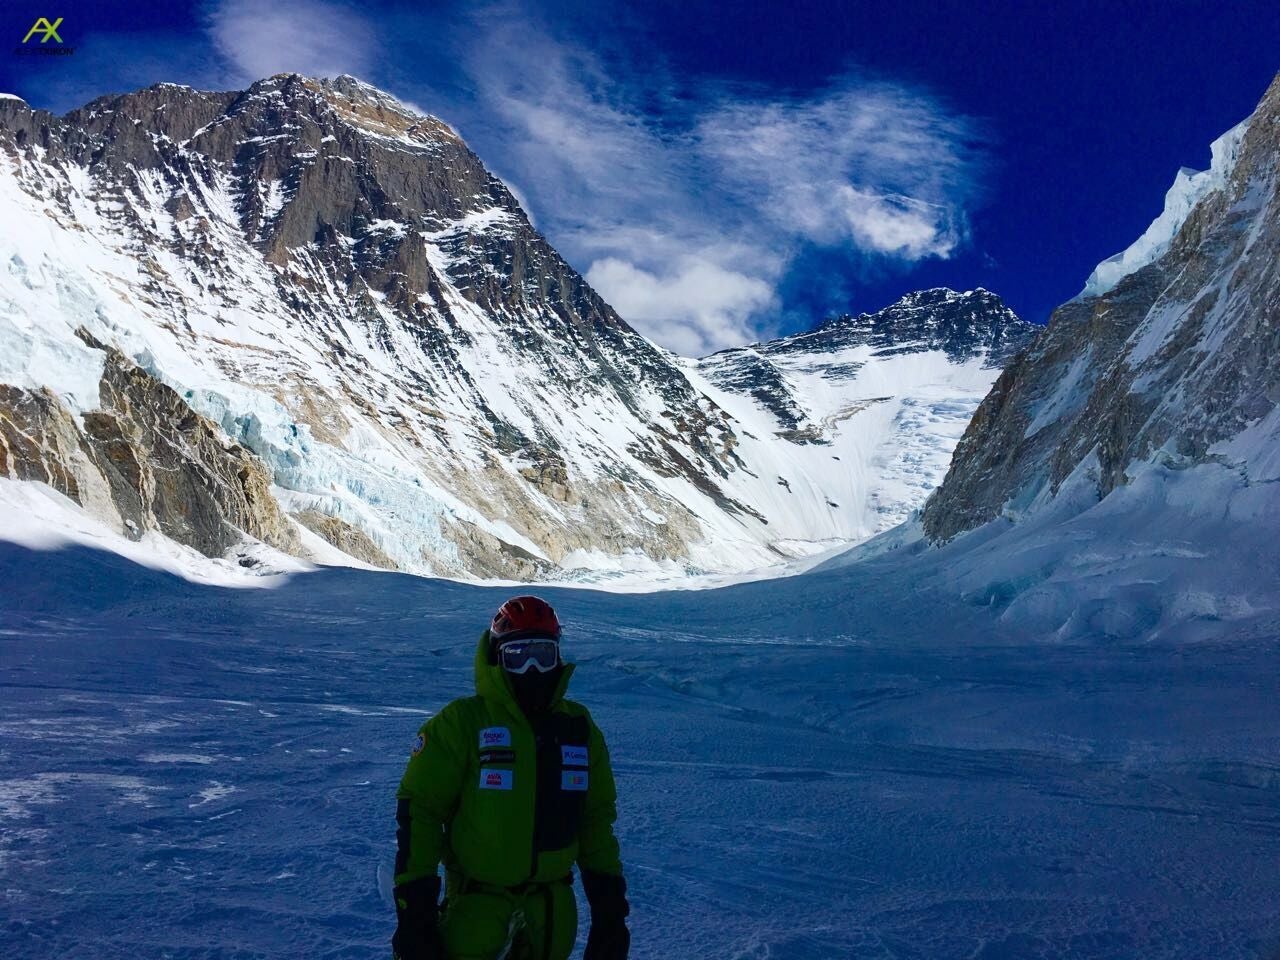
(39, 440)
(549, 473)
(963, 326)
(745, 370)
(200, 489)
(496, 558)
(118, 457)
(810, 433)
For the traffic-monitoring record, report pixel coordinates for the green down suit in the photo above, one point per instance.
(508, 806)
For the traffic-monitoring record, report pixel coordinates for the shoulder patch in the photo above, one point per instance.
(495, 737)
(419, 744)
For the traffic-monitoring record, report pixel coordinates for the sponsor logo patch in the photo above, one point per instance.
(496, 779)
(573, 780)
(496, 756)
(495, 737)
(419, 744)
(572, 756)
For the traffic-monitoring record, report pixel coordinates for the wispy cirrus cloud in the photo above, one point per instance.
(862, 163)
(686, 209)
(312, 37)
(687, 203)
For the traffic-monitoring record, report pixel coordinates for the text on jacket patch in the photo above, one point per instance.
(496, 779)
(571, 756)
(495, 737)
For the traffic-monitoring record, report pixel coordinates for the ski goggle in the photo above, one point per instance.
(521, 656)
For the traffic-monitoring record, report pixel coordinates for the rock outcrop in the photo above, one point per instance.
(40, 440)
(144, 461)
(974, 325)
(348, 539)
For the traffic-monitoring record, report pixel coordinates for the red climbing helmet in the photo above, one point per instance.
(523, 617)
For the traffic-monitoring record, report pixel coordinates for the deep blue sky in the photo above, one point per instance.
(1062, 124)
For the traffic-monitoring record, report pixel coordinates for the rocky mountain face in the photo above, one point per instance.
(976, 325)
(1169, 357)
(868, 408)
(309, 307)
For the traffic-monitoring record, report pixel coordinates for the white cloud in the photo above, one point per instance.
(862, 163)
(685, 213)
(684, 204)
(894, 224)
(693, 307)
(297, 36)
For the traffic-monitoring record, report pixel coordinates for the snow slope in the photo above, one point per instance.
(845, 764)
(871, 408)
(1119, 479)
(1178, 554)
(38, 517)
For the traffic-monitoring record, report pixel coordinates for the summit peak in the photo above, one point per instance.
(962, 324)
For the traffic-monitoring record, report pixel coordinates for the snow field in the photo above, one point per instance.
(195, 772)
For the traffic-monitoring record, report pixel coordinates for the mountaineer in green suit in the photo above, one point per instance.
(508, 789)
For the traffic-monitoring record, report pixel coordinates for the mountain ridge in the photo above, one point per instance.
(339, 283)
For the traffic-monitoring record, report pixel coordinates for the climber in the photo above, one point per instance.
(507, 790)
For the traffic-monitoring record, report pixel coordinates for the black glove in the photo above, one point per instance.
(417, 935)
(609, 938)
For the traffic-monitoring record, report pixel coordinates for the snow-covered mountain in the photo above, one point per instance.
(1123, 469)
(361, 348)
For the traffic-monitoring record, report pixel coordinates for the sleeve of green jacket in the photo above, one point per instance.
(597, 845)
(428, 796)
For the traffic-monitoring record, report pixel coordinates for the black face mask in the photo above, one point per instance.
(533, 690)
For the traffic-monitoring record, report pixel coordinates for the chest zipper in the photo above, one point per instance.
(538, 738)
